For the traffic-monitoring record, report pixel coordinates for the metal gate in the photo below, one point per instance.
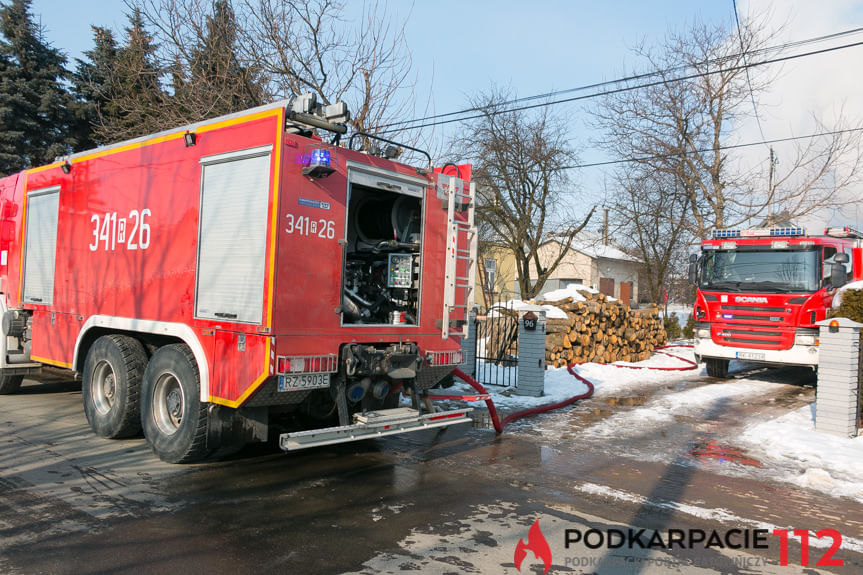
(496, 349)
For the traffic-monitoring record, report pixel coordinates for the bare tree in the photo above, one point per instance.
(652, 217)
(241, 52)
(682, 123)
(524, 192)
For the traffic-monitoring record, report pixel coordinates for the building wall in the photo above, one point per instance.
(577, 265)
(505, 283)
(619, 271)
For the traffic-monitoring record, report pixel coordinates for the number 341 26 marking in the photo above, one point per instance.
(108, 231)
(306, 226)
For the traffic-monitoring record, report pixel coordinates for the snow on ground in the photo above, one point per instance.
(816, 460)
(788, 447)
(561, 385)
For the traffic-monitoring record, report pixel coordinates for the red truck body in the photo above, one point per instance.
(257, 246)
(760, 292)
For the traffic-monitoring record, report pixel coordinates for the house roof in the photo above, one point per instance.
(591, 245)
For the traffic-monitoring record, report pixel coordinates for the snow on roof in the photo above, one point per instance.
(591, 245)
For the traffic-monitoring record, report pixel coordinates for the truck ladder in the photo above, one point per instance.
(459, 251)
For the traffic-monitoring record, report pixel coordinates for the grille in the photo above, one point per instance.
(753, 308)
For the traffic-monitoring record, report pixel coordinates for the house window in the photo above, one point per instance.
(565, 283)
(490, 273)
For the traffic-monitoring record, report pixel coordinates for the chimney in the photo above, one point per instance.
(605, 227)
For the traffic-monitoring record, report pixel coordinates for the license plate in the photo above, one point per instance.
(750, 355)
(303, 381)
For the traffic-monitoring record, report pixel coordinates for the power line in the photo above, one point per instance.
(627, 79)
(704, 150)
(748, 79)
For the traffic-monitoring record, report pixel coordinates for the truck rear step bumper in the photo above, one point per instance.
(374, 424)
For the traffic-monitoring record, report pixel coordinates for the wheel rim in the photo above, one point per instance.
(168, 403)
(104, 388)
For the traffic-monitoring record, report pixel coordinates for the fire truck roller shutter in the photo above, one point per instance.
(40, 247)
(172, 414)
(111, 386)
(232, 237)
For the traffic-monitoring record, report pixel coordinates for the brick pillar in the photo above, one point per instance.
(838, 377)
(531, 355)
(468, 345)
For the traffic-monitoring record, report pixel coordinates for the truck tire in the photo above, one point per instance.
(10, 384)
(111, 386)
(172, 414)
(717, 367)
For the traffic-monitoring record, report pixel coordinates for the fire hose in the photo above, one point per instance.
(500, 424)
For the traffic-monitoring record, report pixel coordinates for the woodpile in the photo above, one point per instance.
(601, 331)
(500, 334)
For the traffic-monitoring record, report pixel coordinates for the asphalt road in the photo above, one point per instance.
(452, 501)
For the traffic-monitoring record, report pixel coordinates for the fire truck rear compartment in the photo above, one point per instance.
(382, 257)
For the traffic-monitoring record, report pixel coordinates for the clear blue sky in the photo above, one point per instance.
(462, 47)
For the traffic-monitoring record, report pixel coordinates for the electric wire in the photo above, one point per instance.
(406, 124)
(748, 79)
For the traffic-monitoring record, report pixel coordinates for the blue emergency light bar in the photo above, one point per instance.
(785, 232)
(320, 157)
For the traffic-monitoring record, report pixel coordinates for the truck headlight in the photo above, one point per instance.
(702, 333)
(805, 339)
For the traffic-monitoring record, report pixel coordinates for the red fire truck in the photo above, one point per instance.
(760, 292)
(214, 281)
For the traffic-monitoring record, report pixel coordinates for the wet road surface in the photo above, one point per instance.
(452, 501)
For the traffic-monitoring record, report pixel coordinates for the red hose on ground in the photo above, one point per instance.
(499, 425)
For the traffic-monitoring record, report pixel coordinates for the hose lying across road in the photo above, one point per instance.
(499, 425)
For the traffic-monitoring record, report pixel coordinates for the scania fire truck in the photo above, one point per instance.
(760, 292)
(217, 280)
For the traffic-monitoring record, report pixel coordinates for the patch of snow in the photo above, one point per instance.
(719, 514)
(551, 312)
(816, 460)
(571, 291)
(666, 408)
(561, 385)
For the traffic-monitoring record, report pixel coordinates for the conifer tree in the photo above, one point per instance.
(93, 85)
(35, 108)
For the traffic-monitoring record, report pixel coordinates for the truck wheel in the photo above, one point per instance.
(717, 367)
(111, 385)
(172, 414)
(10, 384)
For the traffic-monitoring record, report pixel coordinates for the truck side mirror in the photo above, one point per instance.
(837, 274)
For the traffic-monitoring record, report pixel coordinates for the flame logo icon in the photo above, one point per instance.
(535, 542)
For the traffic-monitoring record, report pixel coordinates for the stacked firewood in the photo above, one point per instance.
(601, 331)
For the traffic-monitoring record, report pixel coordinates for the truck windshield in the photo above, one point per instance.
(761, 271)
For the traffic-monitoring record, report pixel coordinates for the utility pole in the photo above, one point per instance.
(770, 189)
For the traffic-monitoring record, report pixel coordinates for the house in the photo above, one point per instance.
(496, 276)
(591, 262)
(588, 261)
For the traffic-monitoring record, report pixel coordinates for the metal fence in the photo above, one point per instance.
(497, 345)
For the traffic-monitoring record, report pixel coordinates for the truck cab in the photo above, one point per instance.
(761, 291)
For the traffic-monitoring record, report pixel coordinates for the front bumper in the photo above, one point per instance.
(796, 355)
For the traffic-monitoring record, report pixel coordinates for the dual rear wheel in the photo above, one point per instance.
(124, 393)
